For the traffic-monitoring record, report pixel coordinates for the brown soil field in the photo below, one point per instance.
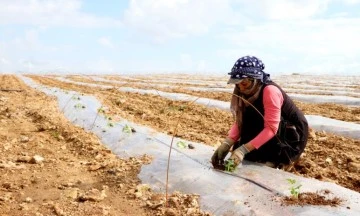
(48, 166)
(330, 110)
(327, 157)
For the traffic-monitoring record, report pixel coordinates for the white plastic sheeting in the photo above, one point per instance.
(288, 87)
(100, 79)
(334, 126)
(344, 81)
(318, 86)
(180, 97)
(320, 123)
(317, 122)
(346, 100)
(252, 190)
(323, 92)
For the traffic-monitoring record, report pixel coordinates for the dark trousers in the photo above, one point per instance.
(280, 149)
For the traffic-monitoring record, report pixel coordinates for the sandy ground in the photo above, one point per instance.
(330, 110)
(327, 157)
(50, 167)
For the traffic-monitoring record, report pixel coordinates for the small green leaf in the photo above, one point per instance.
(230, 165)
(181, 144)
(101, 110)
(294, 190)
(79, 106)
(75, 97)
(291, 181)
(127, 129)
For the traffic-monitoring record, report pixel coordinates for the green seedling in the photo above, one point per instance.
(294, 190)
(181, 144)
(230, 165)
(176, 108)
(110, 124)
(80, 106)
(75, 97)
(101, 110)
(127, 129)
(56, 135)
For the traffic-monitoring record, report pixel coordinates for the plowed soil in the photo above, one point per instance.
(329, 110)
(327, 157)
(48, 166)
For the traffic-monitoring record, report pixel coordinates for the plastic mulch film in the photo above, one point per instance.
(253, 189)
(220, 87)
(316, 122)
(321, 123)
(346, 100)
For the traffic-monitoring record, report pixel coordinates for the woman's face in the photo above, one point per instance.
(245, 84)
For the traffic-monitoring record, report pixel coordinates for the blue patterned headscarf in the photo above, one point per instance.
(248, 66)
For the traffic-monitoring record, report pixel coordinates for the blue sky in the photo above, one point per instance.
(172, 36)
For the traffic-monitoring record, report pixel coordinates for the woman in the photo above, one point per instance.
(268, 127)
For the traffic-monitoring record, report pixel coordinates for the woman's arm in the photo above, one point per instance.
(272, 100)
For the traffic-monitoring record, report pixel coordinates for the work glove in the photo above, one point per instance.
(238, 155)
(219, 155)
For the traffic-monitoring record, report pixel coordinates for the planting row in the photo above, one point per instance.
(327, 157)
(330, 110)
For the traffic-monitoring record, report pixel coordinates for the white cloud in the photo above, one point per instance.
(202, 66)
(283, 9)
(101, 65)
(26, 52)
(106, 42)
(164, 19)
(304, 45)
(351, 2)
(50, 13)
(332, 36)
(186, 61)
(5, 64)
(3, 61)
(29, 41)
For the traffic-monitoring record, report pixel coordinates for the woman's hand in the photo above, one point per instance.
(219, 155)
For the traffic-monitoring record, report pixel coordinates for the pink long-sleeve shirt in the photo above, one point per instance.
(272, 100)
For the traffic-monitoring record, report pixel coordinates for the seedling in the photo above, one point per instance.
(127, 129)
(80, 106)
(101, 110)
(294, 190)
(75, 97)
(110, 124)
(181, 144)
(56, 135)
(230, 165)
(176, 108)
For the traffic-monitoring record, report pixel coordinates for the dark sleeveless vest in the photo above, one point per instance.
(253, 124)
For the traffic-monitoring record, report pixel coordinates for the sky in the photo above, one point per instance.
(179, 36)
